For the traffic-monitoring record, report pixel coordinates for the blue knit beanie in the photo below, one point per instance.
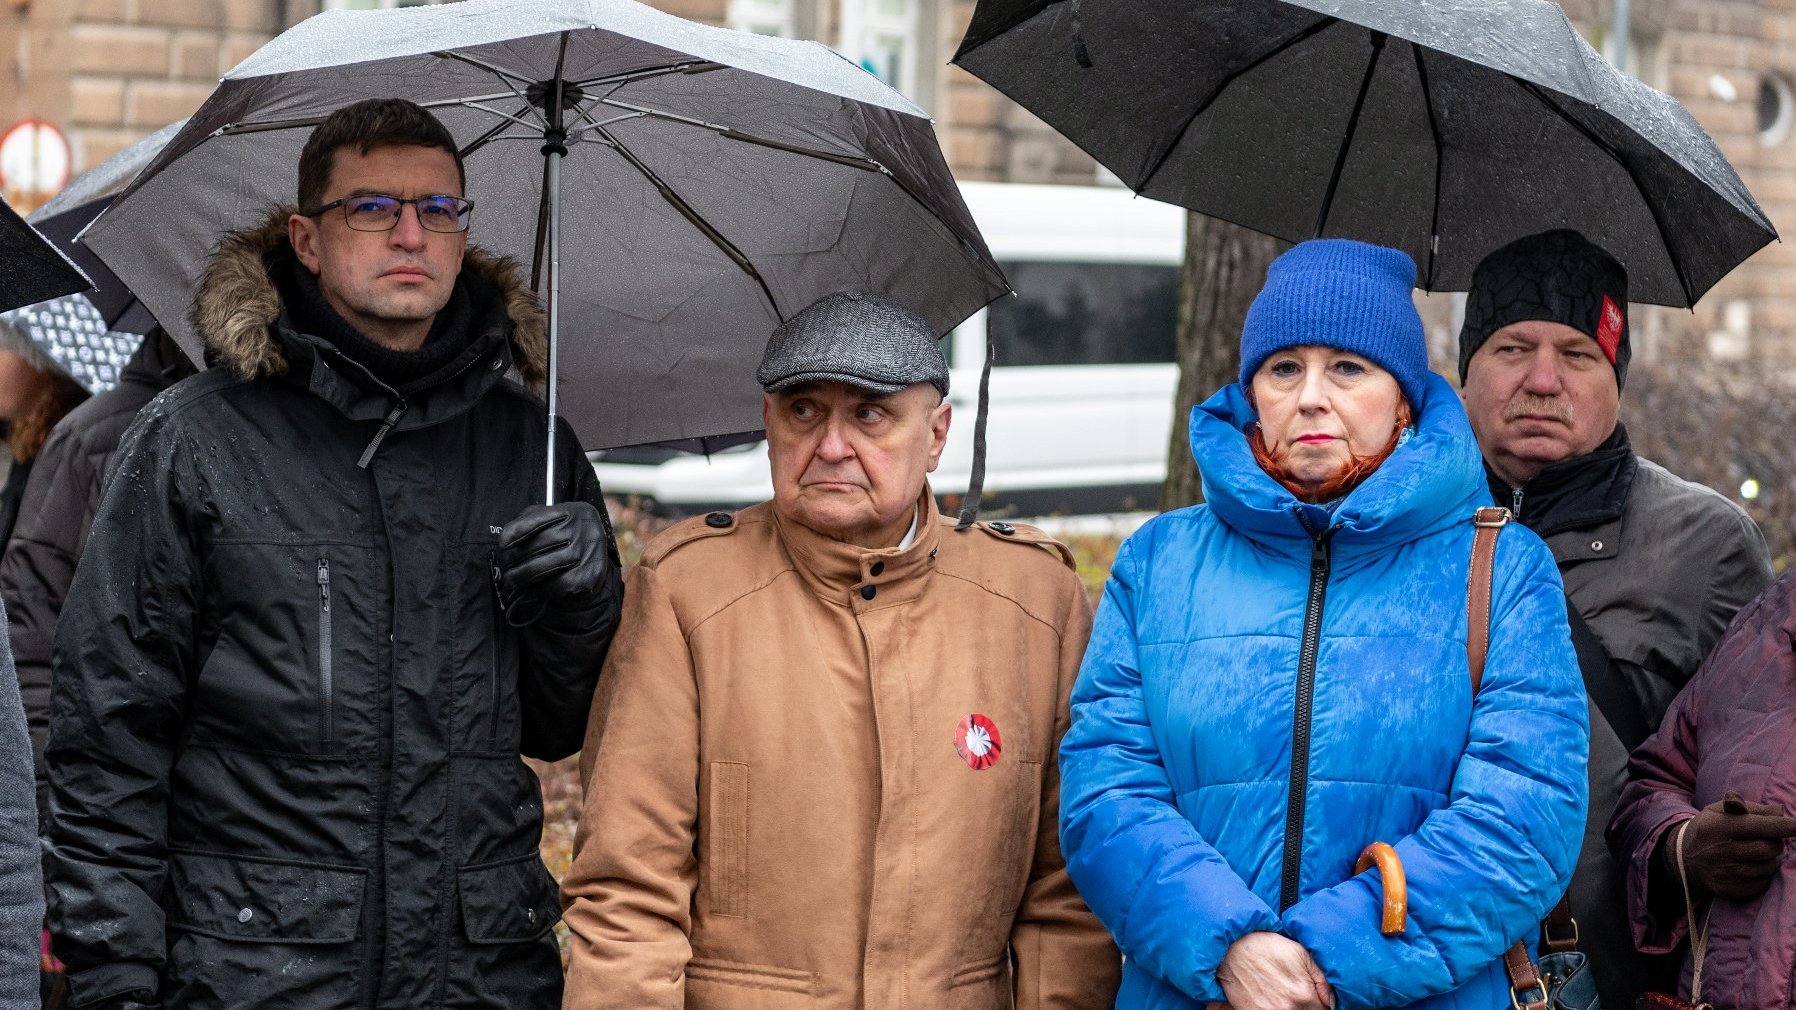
(1335, 292)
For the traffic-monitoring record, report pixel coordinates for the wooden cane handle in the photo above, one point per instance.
(1395, 915)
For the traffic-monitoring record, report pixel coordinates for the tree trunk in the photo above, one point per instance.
(1225, 266)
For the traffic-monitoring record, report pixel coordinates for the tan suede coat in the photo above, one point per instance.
(777, 812)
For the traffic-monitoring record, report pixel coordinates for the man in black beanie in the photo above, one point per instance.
(1654, 566)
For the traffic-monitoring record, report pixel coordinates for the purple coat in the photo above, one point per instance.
(1733, 727)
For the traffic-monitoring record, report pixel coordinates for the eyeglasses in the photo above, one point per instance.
(380, 212)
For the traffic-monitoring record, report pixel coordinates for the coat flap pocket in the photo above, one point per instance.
(509, 902)
(261, 901)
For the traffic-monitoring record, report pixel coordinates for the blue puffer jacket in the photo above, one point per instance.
(1178, 771)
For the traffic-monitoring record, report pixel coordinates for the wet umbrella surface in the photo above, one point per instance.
(1445, 128)
(31, 269)
(713, 183)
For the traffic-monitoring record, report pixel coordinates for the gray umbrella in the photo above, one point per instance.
(31, 269)
(713, 183)
(75, 207)
(1445, 128)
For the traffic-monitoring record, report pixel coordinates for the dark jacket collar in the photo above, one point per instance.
(1576, 493)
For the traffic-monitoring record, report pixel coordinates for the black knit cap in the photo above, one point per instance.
(1556, 276)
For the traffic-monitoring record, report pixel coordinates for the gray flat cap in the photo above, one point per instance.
(861, 339)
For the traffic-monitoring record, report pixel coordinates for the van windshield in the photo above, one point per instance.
(1086, 314)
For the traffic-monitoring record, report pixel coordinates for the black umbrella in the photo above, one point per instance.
(31, 269)
(680, 189)
(1445, 128)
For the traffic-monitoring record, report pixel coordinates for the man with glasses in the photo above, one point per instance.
(319, 618)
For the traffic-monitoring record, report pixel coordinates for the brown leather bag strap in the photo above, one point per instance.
(1526, 992)
(1490, 521)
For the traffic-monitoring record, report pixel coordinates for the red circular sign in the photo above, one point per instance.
(976, 738)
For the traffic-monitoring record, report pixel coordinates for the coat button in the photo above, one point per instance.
(245, 915)
(1004, 528)
(530, 914)
(879, 568)
(1596, 545)
(868, 592)
(719, 520)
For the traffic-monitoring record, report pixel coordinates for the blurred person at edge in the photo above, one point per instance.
(1279, 676)
(1654, 566)
(1722, 772)
(34, 395)
(821, 771)
(21, 884)
(320, 615)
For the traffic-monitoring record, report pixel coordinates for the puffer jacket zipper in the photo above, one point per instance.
(326, 687)
(1289, 883)
(1515, 502)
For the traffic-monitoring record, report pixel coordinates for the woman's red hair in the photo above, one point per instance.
(1351, 475)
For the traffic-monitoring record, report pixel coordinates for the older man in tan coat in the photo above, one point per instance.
(821, 771)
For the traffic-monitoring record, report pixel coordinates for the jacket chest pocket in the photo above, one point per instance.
(482, 653)
(293, 662)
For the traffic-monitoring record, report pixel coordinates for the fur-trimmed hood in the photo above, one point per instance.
(238, 303)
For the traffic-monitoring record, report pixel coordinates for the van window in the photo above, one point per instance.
(1086, 314)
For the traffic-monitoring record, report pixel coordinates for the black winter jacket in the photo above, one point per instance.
(54, 516)
(287, 711)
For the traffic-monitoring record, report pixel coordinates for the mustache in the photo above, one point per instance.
(1527, 404)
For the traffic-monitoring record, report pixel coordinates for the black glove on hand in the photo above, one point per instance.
(551, 552)
(1732, 848)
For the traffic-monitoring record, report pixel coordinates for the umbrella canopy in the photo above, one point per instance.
(82, 200)
(714, 183)
(75, 335)
(1444, 128)
(31, 269)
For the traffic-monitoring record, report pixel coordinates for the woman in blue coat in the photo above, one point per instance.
(1279, 677)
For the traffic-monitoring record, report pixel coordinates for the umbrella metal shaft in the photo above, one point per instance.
(552, 182)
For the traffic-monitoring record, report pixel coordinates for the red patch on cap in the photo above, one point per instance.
(1608, 331)
(976, 739)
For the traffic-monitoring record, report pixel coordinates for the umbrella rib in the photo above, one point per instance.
(492, 68)
(1609, 149)
(648, 73)
(697, 220)
(1434, 129)
(235, 129)
(1185, 127)
(484, 139)
(865, 164)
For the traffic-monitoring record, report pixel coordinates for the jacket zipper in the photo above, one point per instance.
(324, 648)
(1288, 890)
(1515, 502)
(492, 672)
(386, 425)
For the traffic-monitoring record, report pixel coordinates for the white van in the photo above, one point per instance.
(1082, 389)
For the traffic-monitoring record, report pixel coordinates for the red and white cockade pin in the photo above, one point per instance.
(976, 738)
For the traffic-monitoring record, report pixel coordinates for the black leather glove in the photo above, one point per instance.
(550, 553)
(1732, 848)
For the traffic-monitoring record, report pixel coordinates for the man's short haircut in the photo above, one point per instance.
(366, 125)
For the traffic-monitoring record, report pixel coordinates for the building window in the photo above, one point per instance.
(765, 17)
(1774, 110)
(886, 37)
(1086, 314)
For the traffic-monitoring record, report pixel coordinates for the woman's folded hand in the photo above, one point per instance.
(1266, 971)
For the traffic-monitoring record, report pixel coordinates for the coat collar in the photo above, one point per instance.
(237, 306)
(1432, 481)
(842, 573)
